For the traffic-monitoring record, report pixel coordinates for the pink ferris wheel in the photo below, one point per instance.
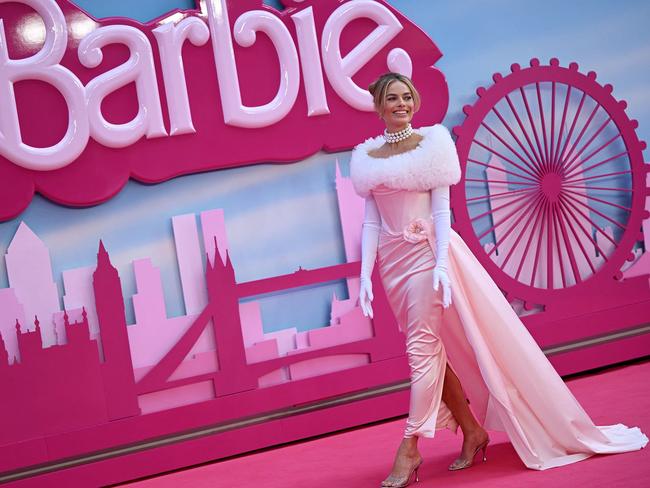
(553, 190)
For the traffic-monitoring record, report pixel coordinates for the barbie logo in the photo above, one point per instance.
(228, 79)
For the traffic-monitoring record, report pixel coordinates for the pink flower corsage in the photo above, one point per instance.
(417, 231)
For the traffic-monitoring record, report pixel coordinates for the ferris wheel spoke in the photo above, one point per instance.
(549, 248)
(525, 132)
(498, 154)
(561, 156)
(531, 160)
(559, 246)
(547, 224)
(498, 195)
(599, 200)
(575, 143)
(499, 182)
(600, 188)
(592, 154)
(497, 209)
(571, 174)
(521, 234)
(532, 125)
(537, 250)
(541, 114)
(530, 237)
(605, 175)
(596, 211)
(552, 134)
(556, 155)
(594, 225)
(575, 235)
(563, 224)
(588, 143)
(487, 165)
(512, 150)
(526, 210)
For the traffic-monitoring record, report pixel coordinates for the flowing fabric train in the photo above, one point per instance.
(510, 383)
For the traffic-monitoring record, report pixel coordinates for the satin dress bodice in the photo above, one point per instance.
(398, 208)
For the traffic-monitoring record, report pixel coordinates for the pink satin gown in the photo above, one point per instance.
(511, 385)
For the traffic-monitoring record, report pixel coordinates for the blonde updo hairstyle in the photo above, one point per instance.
(380, 86)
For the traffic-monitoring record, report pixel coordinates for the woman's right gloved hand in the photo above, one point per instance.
(369, 242)
(365, 297)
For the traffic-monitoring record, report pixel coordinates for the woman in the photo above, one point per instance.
(468, 330)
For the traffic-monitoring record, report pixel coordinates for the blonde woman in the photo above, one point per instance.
(464, 342)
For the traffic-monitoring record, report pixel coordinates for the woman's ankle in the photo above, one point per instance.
(472, 430)
(409, 445)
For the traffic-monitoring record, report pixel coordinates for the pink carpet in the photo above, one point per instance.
(363, 456)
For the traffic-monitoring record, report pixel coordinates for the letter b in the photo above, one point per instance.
(42, 66)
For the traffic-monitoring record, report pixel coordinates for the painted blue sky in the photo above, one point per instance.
(283, 217)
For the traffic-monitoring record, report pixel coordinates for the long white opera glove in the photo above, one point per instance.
(441, 216)
(369, 242)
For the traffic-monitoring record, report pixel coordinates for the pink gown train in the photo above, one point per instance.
(511, 385)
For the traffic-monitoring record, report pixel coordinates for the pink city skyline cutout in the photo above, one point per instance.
(33, 293)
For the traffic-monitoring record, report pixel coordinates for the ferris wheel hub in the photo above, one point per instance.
(551, 185)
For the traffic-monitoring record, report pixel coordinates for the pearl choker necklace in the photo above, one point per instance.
(394, 137)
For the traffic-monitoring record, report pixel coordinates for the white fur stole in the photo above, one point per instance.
(433, 163)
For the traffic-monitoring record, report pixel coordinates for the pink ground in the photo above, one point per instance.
(363, 456)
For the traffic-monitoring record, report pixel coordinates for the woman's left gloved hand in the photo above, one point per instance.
(440, 277)
(441, 216)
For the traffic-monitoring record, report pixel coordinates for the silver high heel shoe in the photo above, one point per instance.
(411, 478)
(466, 463)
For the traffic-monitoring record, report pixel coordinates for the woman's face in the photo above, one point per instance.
(398, 106)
